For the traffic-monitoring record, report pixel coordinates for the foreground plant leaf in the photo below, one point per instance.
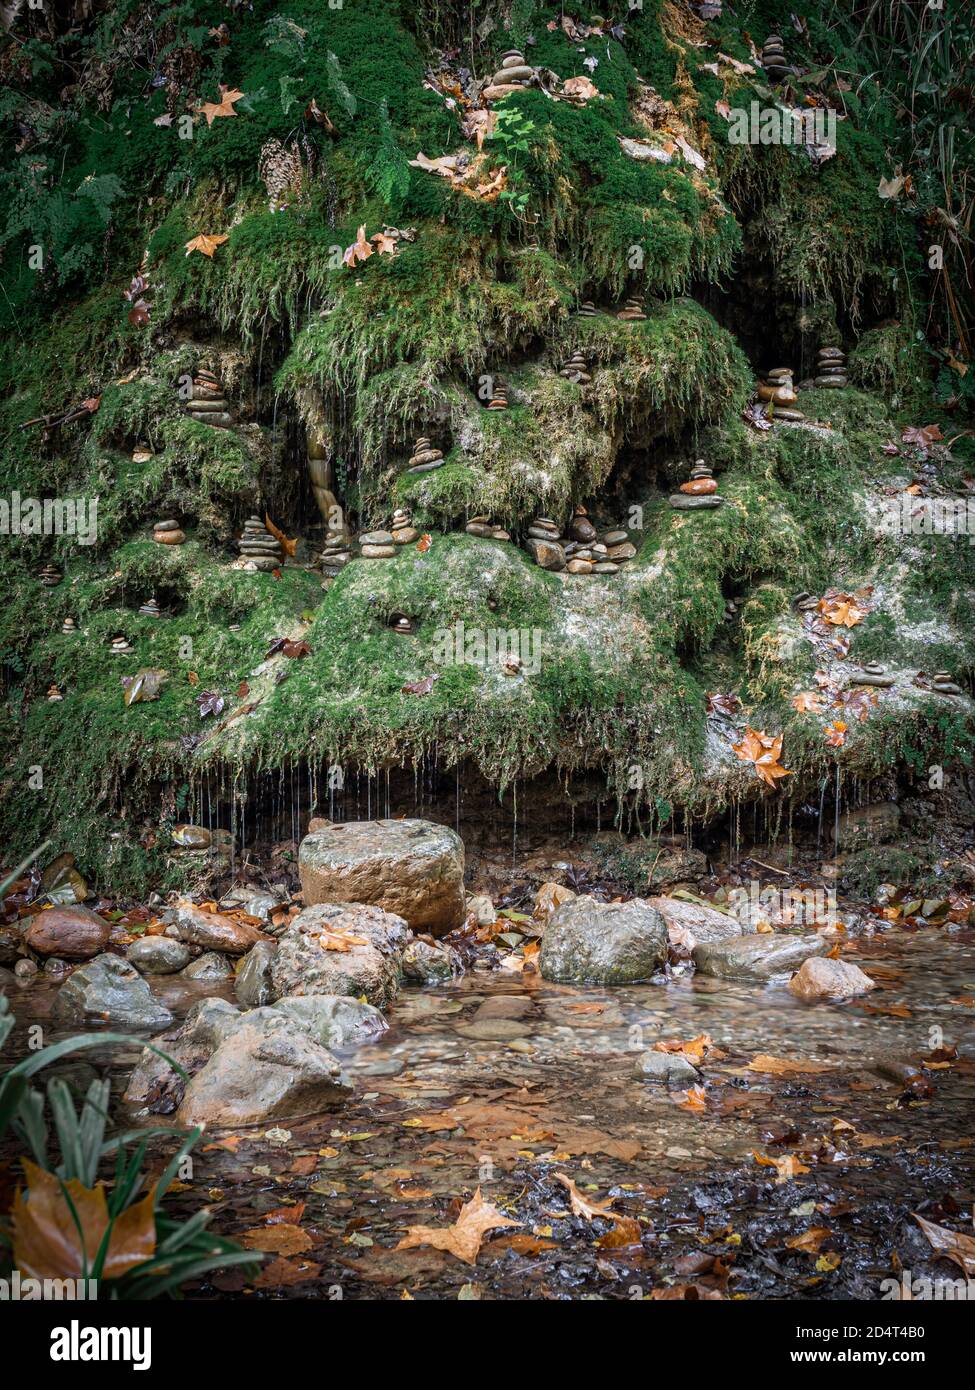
(465, 1237)
(47, 1240)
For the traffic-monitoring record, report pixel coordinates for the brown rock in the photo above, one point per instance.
(689, 924)
(819, 978)
(73, 933)
(213, 931)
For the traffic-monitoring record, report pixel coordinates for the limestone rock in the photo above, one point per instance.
(667, 1068)
(158, 955)
(763, 956)
(334, 1020)
(371, 967)
(110, 990)
(603, 943)
(413, 868)
(212, 930)
(429, 962)
(253, 982)
(73, 933)
(210, 966)
(690, 924)
(829, 979)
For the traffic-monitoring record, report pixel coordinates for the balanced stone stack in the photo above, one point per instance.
(54, 694)
(632, 311)
(699, 493)
(773, 58)
(942, 684)
(377, 545)
(403, 625)
(150, 609)
(425, 458)
(484, 527)
(806, 603)
(207, 402)
(587, 310)
(576, 369)
(514, 75)
(777, 386)
(320, 474)
(872, 673)
(545, 544)
(831, 368)
(168, 533)
(259, 548)
(50, 576)
(404, 533)
(336, 554)
(120, 646)
(499, 400)
(69, 627)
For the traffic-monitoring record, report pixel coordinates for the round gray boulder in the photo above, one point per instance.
(588, 942)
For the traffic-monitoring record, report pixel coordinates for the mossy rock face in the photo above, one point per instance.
(737, 253)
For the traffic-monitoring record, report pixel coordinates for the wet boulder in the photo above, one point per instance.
(154, 1083)
(429, 962)
(412, 868)
(818, 978)
(71, 933)
(666, 1069)
(109, 990)
(688, 924)
(212, 931)
(210, 966)
(341, 948)
(763, 956)
(334, 1020)
(267, 1069)
(253, 981)
(158, 955)
(587, 941)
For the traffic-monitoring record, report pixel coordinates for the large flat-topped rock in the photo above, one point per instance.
(412, 868)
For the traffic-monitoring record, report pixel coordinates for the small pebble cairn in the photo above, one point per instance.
(731, 609)
(54, 694)
(777, 386)
(168, 533)
(377, 545)
(583, 550)
(488, 530)
(207, 403)
(942, 684)
(514, 75)
(499, 400)
(806, 603)
(872, 673)
(576, 369)
(546, 544)
(403, 625)
(425, 458)
(119, 645)
(69, 627)
(632, 311)
(50, 576)
(336, 554)
(699, 493)
(258, 547)
(831, 368)
(403, 530)
(773, 58)
(587, 310)
(150, 609)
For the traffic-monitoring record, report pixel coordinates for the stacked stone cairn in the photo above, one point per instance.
(54, 694)
(576, 369)
(403, 530)
(545, 544)
(699, 493)
(587, 310)
(425, 458)
(50, 576)
(484, 527)
(150, 609)
(632, 311)
(942, 684)
(514, 75)
(259, 548)
(499, 400)
(805, 602)
(872, 673)
(584, 550)
(207, 403)
(119, 645)
(403, 625)
(773, 58)
(69, 627)
(377, 545)
(168, 533)
(831, 369)
(777, 386)
(336, 554)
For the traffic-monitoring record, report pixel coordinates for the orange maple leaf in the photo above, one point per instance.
(762, 751)
(835, 733)
(424, 543)
(206, 245)
(807, 702)
(360, 250)
(224, 107)
(465, 1236)
(288, 546)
